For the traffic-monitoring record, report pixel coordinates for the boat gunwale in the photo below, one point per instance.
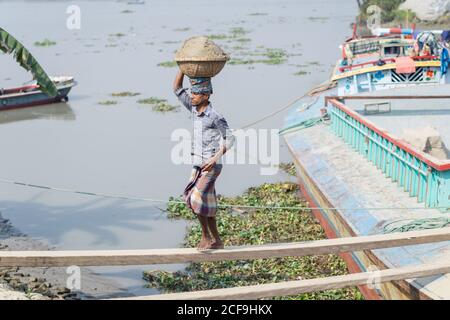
(35, 91)
(437, 164)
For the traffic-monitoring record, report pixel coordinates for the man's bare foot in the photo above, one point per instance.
(204, 244)
(216, 245)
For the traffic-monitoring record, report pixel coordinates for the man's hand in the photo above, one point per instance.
(209, 164)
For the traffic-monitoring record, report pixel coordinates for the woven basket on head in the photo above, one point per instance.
(200, 57)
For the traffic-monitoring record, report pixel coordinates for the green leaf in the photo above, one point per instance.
(9, 45)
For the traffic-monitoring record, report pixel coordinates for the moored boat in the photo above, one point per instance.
(44, 90)
(31, 95)
(361, 172)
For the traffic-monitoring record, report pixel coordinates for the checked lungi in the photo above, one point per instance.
(200, 193)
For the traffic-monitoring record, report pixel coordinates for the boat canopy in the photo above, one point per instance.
(9, 45)
(358, 47)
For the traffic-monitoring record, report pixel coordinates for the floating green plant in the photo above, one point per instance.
(125, 94)
(270, 56)
(238, 48)
(108, 102)
(238, 32)
(321, 19)
(152, 100)
(276, 56)
(241, 61)
(182, 29)
(167, 64)
(243, 40)
(118, 35)
(164, 107)
(158, 104)
(45, 43)
(301, 73)
(217, 36)
(258, 14)
(258, 226)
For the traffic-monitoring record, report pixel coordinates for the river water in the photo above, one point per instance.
(125, 148)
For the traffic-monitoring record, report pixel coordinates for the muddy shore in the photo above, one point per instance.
(46, 283)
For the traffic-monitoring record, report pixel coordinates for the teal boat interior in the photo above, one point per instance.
(355, 164)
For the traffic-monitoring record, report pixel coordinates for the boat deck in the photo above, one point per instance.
(411, 114)
(334, 175)
(347, 180)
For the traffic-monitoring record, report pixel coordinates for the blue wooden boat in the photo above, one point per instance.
(361, 175)
(31, 95)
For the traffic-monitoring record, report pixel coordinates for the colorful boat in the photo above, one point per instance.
(357, 168)
(376, 63)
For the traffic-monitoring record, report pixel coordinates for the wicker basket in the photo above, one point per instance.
(195, 69)
(200, 57)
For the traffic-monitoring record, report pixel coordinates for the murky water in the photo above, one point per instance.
(125, 148)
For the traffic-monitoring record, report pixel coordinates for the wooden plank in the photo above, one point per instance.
(304, 286)
(167, 256)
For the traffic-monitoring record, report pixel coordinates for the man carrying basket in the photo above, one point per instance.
(211, 140)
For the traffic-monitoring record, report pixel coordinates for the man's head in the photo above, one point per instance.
(199, 98)
(201, 90)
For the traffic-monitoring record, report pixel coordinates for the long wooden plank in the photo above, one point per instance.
(167, 256)
(304, 286)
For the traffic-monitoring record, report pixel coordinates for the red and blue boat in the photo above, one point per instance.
(31, 94)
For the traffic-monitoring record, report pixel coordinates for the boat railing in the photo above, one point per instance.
(418, 173)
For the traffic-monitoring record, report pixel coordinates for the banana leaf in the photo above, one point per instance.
(9, 45)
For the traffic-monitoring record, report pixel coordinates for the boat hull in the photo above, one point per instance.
(33, 98)
(335, 226)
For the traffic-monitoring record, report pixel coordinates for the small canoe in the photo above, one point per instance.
(31, 95)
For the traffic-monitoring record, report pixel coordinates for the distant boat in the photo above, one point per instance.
(44, 90)
(31, 95)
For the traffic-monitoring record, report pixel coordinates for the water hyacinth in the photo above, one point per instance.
(256, 227)
(158, 104)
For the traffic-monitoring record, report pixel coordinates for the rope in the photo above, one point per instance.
(104, 195)
(320, 88)
(416, 224)
(302, 125)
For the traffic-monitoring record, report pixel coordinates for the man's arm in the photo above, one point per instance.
(178, 82)
(184, 98)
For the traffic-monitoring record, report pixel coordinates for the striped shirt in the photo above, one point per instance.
(210, 130)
